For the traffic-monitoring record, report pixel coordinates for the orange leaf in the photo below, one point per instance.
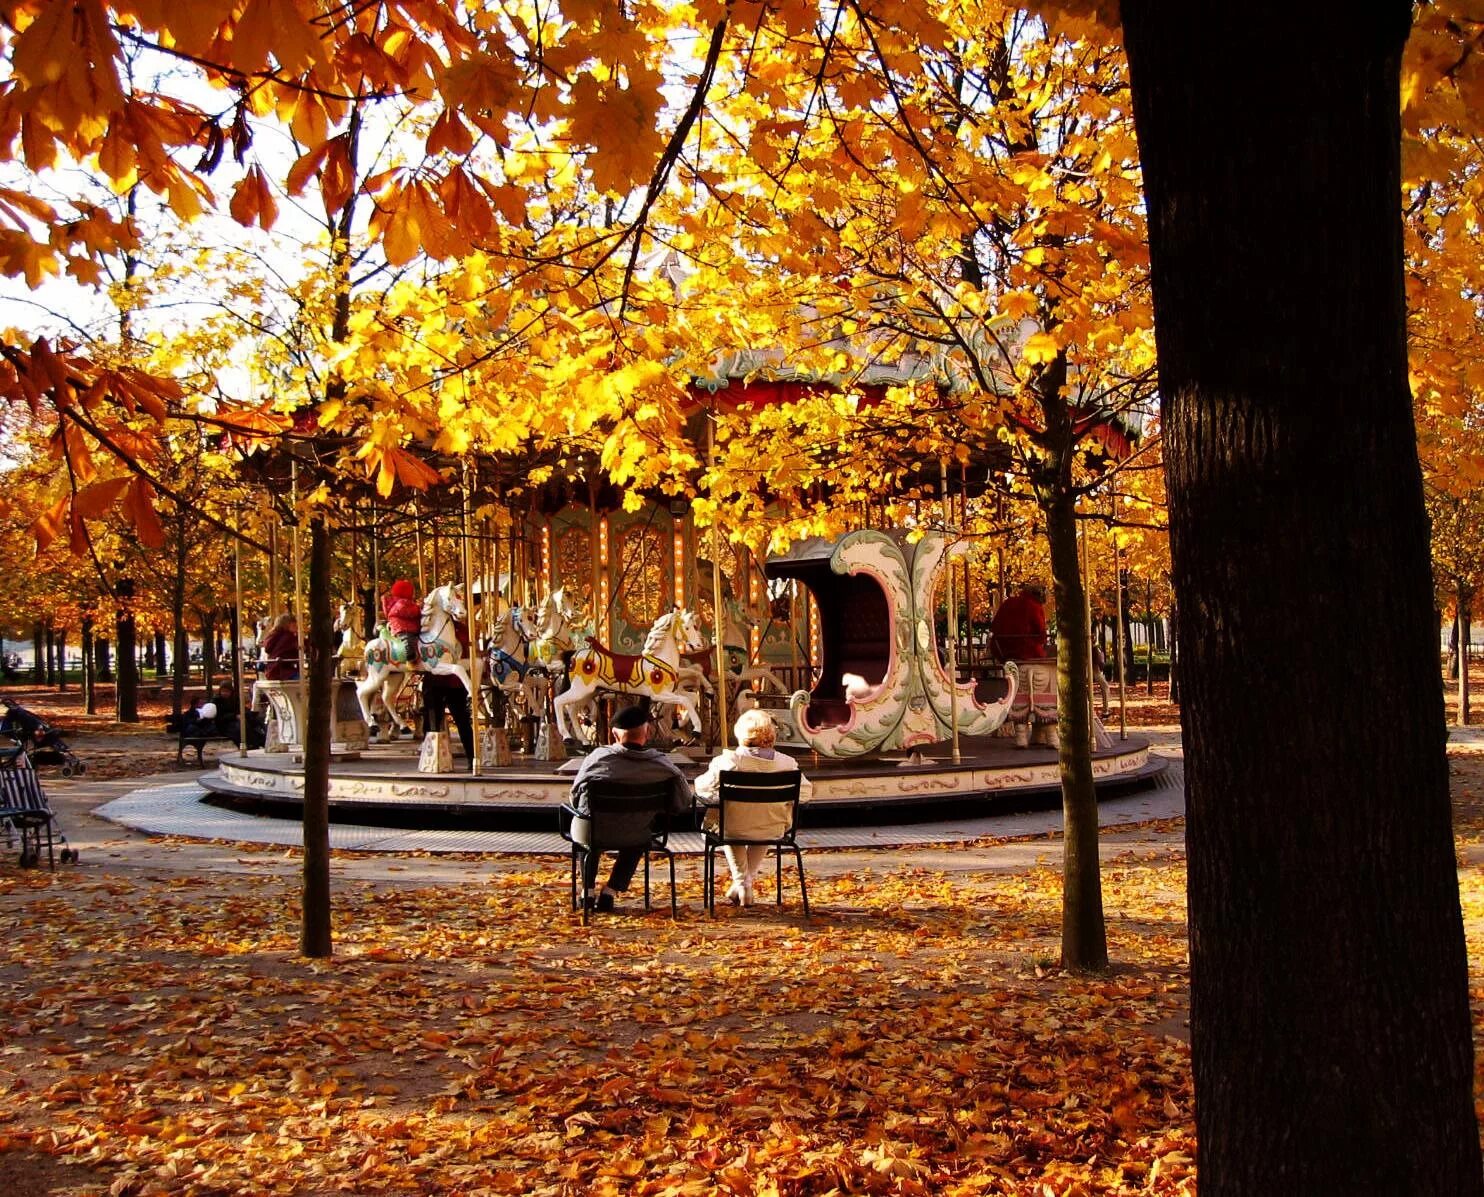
(244, 202)
(46, 48)
(139, 509)
(413, 471)
(76, 445)
(49, 523)
(93, 501)
(305, 168)
(337, 180)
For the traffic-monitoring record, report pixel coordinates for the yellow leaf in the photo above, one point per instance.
(1040, 347)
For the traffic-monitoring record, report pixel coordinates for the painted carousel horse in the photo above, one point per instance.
(508, 667)
(439, 651)
(654, 674)
(352, 649)
(508, 660)
(737, 623)
(557, 625)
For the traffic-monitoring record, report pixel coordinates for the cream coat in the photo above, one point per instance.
(760, 821)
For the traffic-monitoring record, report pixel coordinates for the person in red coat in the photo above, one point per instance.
(1018, 630)
(281, 650)
(404, 615)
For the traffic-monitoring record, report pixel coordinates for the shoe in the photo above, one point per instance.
(734, 895)
(748, 898)
(604, 903)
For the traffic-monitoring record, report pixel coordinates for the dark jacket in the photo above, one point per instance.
(617, 762)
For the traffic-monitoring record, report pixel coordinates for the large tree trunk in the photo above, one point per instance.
(314, 939)
(1331, 1041)
(102, 667)
(1084, 941)
(61, 643)
(38, 653)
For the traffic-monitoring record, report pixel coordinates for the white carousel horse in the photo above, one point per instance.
(508, 659)
(508, 663)
(352, 648)
(439, 651)
(654, 674)
(558, 624)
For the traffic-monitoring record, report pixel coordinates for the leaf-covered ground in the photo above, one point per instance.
(160, 1034)
(165, 1038)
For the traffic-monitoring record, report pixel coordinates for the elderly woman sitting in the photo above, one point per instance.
(754, 754)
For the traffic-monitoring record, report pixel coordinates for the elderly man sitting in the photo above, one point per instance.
(627, 759)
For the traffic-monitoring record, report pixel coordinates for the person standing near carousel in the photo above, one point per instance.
(444, 695)
(404, 616)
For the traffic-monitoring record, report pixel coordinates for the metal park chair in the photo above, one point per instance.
(620, 816)
(23, 806)
(740, 790)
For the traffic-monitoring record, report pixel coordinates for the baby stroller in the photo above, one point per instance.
(42, 743)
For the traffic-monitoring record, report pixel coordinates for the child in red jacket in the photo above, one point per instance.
(404, 615)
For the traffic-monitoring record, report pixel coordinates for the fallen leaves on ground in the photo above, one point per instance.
(914, 1038)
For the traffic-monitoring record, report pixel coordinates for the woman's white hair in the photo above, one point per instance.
(755, 729)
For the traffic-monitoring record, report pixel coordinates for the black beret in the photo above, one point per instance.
(631, 717)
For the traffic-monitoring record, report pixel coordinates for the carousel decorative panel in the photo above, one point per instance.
(573, 567)
(643, 576)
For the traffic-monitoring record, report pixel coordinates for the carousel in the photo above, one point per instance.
(550, 610)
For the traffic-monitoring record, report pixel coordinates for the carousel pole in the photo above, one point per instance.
(1092, 723)
(475, 758)
(596, 565)
(510, 559)
(437, 555)
(967, 630)
(355, 568)
(793, 634)
(417, 534)
(952, 636)
(375, 557)
(298, 562)
(1118, 645)
(237, 655)
(273, 611)
(716, 600)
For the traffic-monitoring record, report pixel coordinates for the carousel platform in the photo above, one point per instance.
(381, 785)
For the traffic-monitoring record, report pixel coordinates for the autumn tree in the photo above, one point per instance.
(954, 192)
